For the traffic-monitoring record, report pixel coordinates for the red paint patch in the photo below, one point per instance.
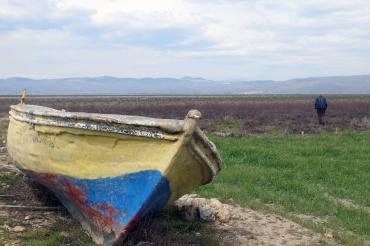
(95, 214)
(74, 192)
(102, 215)
(109, 212)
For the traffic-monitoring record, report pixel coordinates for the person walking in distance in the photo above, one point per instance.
(321, 106)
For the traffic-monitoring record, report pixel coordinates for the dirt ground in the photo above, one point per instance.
(26, 226)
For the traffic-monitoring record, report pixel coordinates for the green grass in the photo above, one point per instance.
(8, 179)
(62, 232)
(295, 175)
(3, 129)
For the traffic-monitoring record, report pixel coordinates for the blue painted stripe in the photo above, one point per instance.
(144, 192)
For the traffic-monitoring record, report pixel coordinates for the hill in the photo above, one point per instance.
(357, 84)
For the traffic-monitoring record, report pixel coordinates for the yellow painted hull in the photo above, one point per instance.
(88, 149)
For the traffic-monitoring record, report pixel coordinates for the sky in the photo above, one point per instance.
(214, 39)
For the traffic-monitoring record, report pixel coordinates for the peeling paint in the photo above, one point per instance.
(93, 126)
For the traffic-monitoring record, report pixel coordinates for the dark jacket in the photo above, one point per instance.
(320, 103)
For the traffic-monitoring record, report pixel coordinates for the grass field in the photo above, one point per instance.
(321, 181)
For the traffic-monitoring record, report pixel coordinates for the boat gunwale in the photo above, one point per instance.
(114, 128)
(168, 125)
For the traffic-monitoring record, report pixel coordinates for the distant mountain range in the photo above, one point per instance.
(357, 84)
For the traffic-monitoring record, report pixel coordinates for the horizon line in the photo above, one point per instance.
(179, 78)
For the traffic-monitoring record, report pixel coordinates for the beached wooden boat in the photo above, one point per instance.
(111, 170)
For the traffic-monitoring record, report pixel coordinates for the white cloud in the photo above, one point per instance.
(264, 39)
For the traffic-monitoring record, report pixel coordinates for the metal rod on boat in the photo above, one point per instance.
(24, 95)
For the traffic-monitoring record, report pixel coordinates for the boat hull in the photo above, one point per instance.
(110, 174)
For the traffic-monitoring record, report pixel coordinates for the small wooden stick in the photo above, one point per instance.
(7, 196)
(30, 208)
(24, 95)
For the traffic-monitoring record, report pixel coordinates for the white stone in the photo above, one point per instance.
(223, 215)
(199, 202)
(197, 208)
(192, 196)
(214, 203)
(17, 229)
(206, 213)
(328, 236)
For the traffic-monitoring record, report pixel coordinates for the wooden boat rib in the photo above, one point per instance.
(109, 171)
